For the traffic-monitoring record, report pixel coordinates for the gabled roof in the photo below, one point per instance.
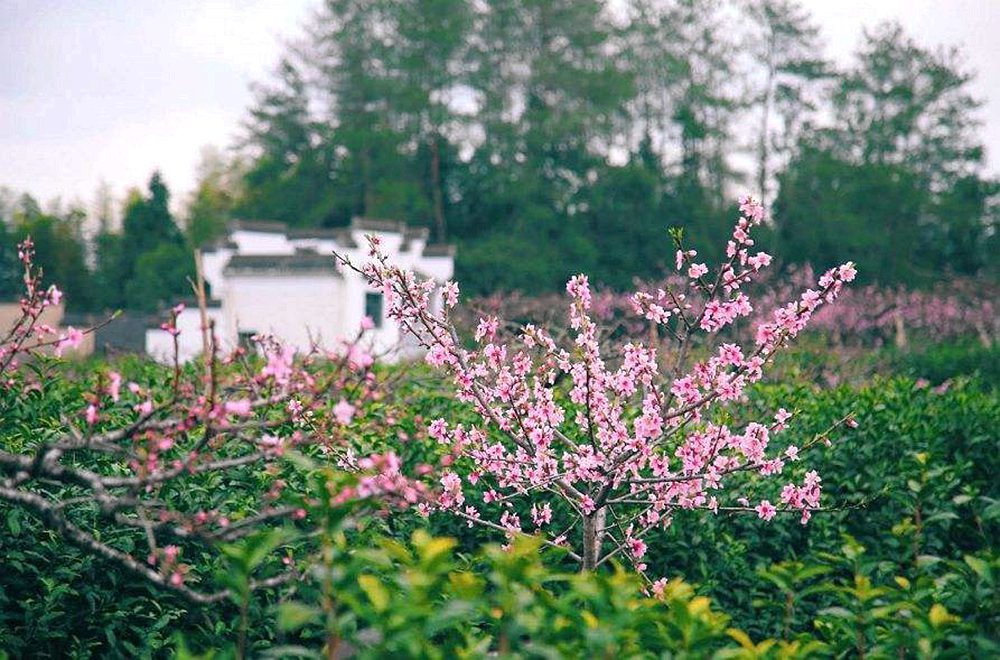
(378, 224)
(302, 262)
(264, 226)
(341, 235)
(439, 250)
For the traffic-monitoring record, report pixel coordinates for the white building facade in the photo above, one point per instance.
(265, 278)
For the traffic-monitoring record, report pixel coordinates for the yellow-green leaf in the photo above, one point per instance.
(376, 592)
(293, 615)
(939, 615)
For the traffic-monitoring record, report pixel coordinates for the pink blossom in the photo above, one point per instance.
(541, 515)
(632, 436)
(238, 407)
(438, 430)
(114, 386)
(359, 358)
(697, 270)
(91, 415)
(765, 510)
(487, 328)
(450, 294)
(72, 339)
(279, 364)
(343, 412)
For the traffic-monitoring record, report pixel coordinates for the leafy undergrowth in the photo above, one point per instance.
(904, 565)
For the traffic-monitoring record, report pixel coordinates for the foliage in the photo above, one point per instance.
(416, 600)
(940, 363)
(92, 608)
(541, 134)
(60, 254)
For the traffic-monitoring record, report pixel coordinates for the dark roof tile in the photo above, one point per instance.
(294, 263)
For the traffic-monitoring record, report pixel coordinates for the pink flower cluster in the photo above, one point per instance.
(613, 445)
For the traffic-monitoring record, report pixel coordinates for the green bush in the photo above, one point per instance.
(941, 362)
(914, 486)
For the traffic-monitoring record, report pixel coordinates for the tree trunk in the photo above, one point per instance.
(901, 341)
(763, 144)
(368, 194)
(593, 535)
(436, 193)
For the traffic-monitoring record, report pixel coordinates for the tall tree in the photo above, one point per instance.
(128, 276)
(903, 132)
(429, 68)
(351, 52)
(907, 105)
(288, 178)
(785, 46)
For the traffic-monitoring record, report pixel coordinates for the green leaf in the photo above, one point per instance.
(943, 515)
(292, 615)
(14, 522)
(939, 615)
(981, 568)
(260, 546)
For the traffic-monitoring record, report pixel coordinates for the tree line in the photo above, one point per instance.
(547, 137)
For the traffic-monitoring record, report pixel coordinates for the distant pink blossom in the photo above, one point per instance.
(343, 412)
(238, 407)
(91, 415)
(114, 385)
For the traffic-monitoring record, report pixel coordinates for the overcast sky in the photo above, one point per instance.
(110, 90)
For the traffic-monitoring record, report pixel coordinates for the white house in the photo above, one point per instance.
(265, 278)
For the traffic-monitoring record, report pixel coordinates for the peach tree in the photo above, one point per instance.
(593, 448)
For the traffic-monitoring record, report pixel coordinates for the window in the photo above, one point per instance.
(246, 339)
(373, 308)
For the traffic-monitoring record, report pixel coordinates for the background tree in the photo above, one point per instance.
(522, 130)
(897, 173)
(145, 266)
(211, 204)
(288, 177)
(59, 248)
(785, 46)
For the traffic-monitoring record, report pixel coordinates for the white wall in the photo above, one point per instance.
(298, 308)
(213, 263)
(261, 242)
(160, 343)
